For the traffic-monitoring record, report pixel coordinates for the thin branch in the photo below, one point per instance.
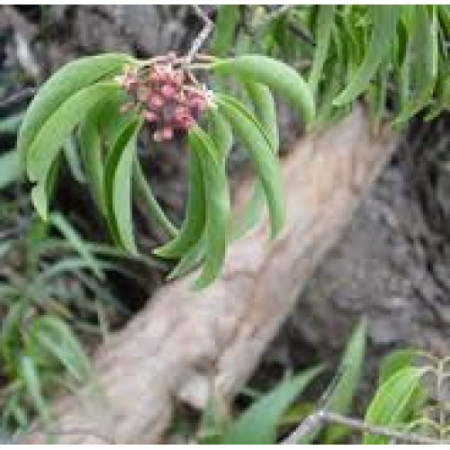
(318, 419)
(208, 26)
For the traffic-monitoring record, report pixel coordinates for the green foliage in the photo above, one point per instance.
(81, 97)
(258, 424)
(394, 57)
(394, 402)
(395, 54)
(51, 290)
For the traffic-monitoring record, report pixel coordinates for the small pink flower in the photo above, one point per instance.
(168, 91)
(151, 116)
(156, 101)
(167, 133)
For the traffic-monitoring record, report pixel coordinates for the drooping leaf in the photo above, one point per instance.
(63, 84)
(72, 157)
(195, 218)
(265, 111)
(217, 205)
(275, 74)
(246, 127)
(91, 155)
(117, 186)
(145, 193)
(51, 136)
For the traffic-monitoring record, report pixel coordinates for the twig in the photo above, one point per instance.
(312, 422)
(208, 26)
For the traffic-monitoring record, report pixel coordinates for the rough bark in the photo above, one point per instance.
(184, 342)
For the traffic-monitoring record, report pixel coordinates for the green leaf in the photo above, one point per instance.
(11, 168)
(323, 37)
(59, 125)
(218, 207)
(194, 221)
(77, 243)
(225, 29)
(63, 84)
(393, 402)
(190, 260)
(118, 177)
(92, 158)
(145, 193)
(54, 335)
(246, 127)
(395, 361)
(72, 157)
(422, 65)
(265, 111)
(275, 74)
(385, 19)
(349, 372)
(30, 377)
(221, 133)
(257, 425)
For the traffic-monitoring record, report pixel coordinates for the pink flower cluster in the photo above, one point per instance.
(169, 101)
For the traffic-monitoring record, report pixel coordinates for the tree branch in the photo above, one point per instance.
(208, 26)
(316, 420)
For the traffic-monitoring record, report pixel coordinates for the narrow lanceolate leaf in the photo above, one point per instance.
(275, 74)
(385, 19)
(349, 373)
(422, 65)
(63, 84)
(221, 133)
(194, 222)
(53, 334)
(218, 207)
(42, 193)
(191, 259)
(265, 111)
(325, 22)
(92, 159)
(57, 128)
(225, 29)
(255, 140)
(76, 242)
(145, 194)
(30, 377)
(394, 402)
(258, 424)
(395, 361)
(118, 176)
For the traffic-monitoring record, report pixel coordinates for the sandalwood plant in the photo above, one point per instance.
(107, 99)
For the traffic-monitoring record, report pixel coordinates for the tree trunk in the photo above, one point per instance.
(185, 342)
